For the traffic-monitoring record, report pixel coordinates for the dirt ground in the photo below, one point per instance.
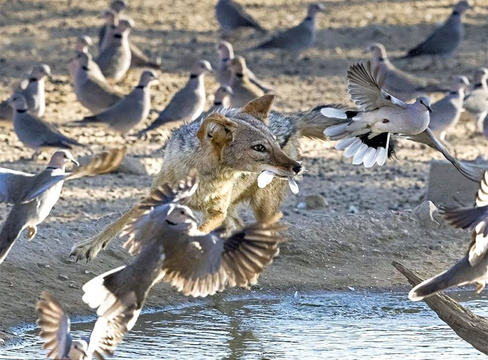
(348, 244)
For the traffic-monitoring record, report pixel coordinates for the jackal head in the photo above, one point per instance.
(241, 139)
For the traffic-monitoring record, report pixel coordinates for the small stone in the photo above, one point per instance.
(62, 277)
(315, 202)
(428, 214)
(132, 166)
(301, 205)
(353, 209)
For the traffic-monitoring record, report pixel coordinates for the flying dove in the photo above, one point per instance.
(224, 73)
(298, 38)
(114, 59)
(221, 98)
(168, 247)
(447, 111)
(473, 268)
(476, 102)
(445, 39)
(366, 133)
(55, 330)
(128, 112)
(188, 103)
(244, 90)
(91, 88)
(34, 132)
(81, 46)
(232, 15)
(34, 195)
(398, 83)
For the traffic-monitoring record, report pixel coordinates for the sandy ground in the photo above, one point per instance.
(329, 248)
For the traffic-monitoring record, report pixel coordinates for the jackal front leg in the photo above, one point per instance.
(212, 221)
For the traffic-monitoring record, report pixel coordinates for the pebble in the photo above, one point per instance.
(315, 202)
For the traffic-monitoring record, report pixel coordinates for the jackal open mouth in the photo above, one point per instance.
(267, 176)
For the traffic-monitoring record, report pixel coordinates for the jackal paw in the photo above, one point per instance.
(88, 249)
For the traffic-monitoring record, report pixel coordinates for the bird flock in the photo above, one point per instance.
(240, 151)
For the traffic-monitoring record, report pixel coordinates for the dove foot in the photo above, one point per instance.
(31, 232)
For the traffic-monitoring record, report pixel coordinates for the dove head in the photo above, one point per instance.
(461, 7)
(223, 93)
(225, 51)
(118, 5)
(424, 103)
(40, 71)
(459, 82)
(83, 58)
(238, 65)
(61, 158)
(123, 29)
(201, 67)
(111, 17)
(314, 9)
(180, 217)
(377, 51)
(79, 350)
(17, 101)
(148, 77)
(480, 75)
(83, 43)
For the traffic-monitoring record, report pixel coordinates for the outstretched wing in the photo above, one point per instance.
(364, 87)
(13, 185)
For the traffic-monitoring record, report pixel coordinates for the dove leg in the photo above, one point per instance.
(31, 232)
(479, 287)
(480, 122)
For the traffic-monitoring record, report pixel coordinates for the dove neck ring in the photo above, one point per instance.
(193, 76)
(240, 75)
(456, 13)
(140, 86)
(21, 111)
(309, 18)
(32, 79)
(86, 68)
(217, 103)
(478, 86)
(453, 92)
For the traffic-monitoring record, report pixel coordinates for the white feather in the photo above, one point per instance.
(95, 294)
(369, 157)
(351, 150)
(335, 130)
(265, 178)
(344, 143)
(333, 113)
(359, 156)
(382, 156)
(293, 186)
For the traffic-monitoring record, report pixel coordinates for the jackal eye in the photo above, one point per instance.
(259, 148)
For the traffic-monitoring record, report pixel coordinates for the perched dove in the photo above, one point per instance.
(445, 39)
(34, 132)
(244, 90)
(188, 103)
(169, 248)
(131, 110)
(398, 83)
(298, 38)
(34, 196)
(221, 98)
(81, 46)
(365, 134)
(224, 74)
(91, 88)
(56, 332)
(232, 15)
(473, 268)
(476, 102)
(114, 59)
(447, 111)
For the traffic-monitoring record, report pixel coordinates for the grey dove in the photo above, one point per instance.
(81, 46)
(472, 268)
(111, 18)
(399, 83)
(188, 103)
(476, 102)
(55, 330)
(114, 59)
(447, 111)
(130, 111)
(91, 88)
(34, 132)
(299, 38)
(222, 98)
(244, 90)
(366, 133)
(168, 247)
(34, 195)
(232, 15)
(224, 73)
(445, 39)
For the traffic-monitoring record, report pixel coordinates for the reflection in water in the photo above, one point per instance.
(325, 326)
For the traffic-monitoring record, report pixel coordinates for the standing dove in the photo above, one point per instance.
(55, 330)
(221, 98)
(131, 110)
(244, 90)
(445, 39)
(188, 103)
(232, 15)
(298, 38)
(476, 102)
(35, 133)
(33, 196)
(81, 46)
(91, 88)
(111, 17)
(224, 74)
(398, 83)
(114, 59)
(447, 111)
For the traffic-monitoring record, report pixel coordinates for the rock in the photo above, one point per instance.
(62, 277)
(132, 166)
(428, 214)
(315, 202)
(353, 209)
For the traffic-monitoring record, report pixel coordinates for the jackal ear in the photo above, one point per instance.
(217, 129)
(260, 107)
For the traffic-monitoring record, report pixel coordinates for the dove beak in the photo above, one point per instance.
(75, 162)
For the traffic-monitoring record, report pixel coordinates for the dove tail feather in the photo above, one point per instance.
(10, 233)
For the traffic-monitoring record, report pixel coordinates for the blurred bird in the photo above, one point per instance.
(365, 133)
(91, 88)
(221, 98)
(114, 59)
(130, 111)
(298, 38)
(188, 103)
(224, 74)
(56, 332)
(447, 111)
(476, 102)
(34, 132)
(34, 195)
(398, 83)
(81, 46)
(445, 39)
(473, 268)
(244, 90)
(232, 15)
